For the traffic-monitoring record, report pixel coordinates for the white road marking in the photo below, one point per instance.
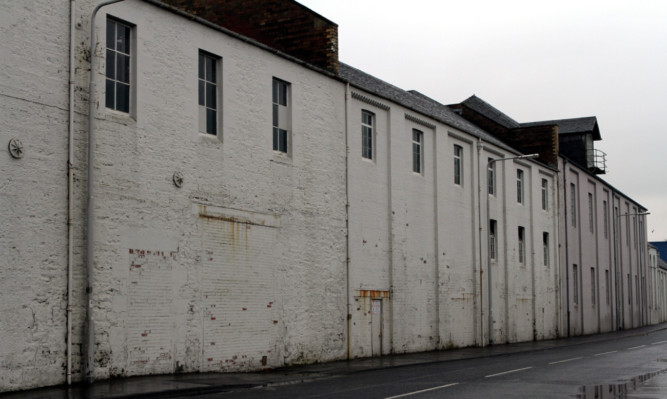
(507, 372)
(636, 347)
(659, 342)
(604, 353)
(567, 360)
(423, 390)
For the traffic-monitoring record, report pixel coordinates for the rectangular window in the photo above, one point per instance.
(634, 224)
(492, 239)
(605, 209)
(627, 224)
(545, 195)
(367, 124)
(519, 186)
(491, 177)
(281, 116)
(545, 248)
(590, 213)
(208, 93)
(417, 140)
(629, 290)
(573, 204)
(607, 281)
(458, 165)
(593, 296)
(575, 284)
(118, 66)
(522, 245)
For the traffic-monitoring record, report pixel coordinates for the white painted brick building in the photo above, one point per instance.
(251, 210)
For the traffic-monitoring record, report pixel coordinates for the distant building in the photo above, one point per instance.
(661, 247)
(658, 286)
(602, 233)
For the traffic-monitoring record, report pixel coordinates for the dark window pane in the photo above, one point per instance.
(122, 97)
(283, 140)
(275, 114)
(110, 94)
(111, 34)
(210, 69)
(202, 68)
(283, 94)
(202, 93)
(210, 96)
(122, 68)
(275, 139)
(123, 42)
(211, 121)
(275, 91)
(111, 64)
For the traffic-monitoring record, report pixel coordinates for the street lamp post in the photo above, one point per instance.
(488, 243)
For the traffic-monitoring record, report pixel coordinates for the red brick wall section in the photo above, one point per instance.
(281, 24)
(538, 139)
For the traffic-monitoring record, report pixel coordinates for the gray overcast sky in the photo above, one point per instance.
(534, 61)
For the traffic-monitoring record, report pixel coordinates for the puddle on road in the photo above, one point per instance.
(617, 390)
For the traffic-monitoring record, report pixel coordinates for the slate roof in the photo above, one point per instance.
(573, 125)
(477, 104)
(417, 102)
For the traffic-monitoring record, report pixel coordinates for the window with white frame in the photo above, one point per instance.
(591, 223)
(491, 177)
(575, 284)
(573, 204)
(605, 209)
(545, 248)
(208, 93)
(522, 245)
(458, 165)
(545, 194)
(593, 281)
(281, 116)
(519, 186)
(118, 68)
(607, 281)
(627, 224)
(367, 129)
(492, 239)
(417, 153)
(634, 224)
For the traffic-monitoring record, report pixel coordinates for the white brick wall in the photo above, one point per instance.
(589, 250)
(33, 192)
(245, 266)
(430, 287)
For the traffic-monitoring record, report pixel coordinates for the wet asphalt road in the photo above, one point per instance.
(553, 373)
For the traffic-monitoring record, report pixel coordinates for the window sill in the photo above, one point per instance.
(119, 117)
(210, 138)
(281, 158)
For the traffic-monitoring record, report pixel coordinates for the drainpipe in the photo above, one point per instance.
(616, 272)
(567, 248)
(70, 187)
(480, 148)
(90, 323)
(347, 221)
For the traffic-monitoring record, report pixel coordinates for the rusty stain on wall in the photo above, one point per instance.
(375, 294)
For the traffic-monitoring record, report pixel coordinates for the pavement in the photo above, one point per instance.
(179, 385)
